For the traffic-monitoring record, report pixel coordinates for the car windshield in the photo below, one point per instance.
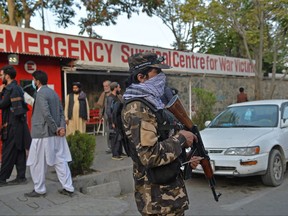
(247, 116)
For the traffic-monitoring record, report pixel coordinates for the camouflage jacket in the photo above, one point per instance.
(140, 125)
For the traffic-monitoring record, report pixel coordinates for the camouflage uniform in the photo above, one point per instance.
(141, 128)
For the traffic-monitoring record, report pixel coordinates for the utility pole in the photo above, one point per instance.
(42, 15)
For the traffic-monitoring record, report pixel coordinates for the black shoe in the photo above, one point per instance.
(3, 183)
(17, 181)
(34, 194)
(123, 155)
(66, 192)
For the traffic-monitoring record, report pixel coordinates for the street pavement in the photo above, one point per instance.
(113, 198)
(109, 191)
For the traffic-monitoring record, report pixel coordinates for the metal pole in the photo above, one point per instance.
(190, 96)
(65, 84)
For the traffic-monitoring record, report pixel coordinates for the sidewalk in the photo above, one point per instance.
(96, 194)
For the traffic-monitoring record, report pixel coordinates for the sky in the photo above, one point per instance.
(140, 29)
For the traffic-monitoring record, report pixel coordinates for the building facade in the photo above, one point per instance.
(68, 58)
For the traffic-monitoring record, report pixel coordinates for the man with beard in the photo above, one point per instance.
(15, 134)
(114, 136)
(76, 110)
(102, 104)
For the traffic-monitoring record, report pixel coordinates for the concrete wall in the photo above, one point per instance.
(225, 88)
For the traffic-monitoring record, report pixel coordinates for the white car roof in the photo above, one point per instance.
(261, 102)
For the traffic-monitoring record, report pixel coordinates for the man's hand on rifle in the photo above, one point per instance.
(195, 161)
(190, 138)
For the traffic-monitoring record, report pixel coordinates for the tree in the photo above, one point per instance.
(253, 21)
(103, 12)
(19, 12)
(205, 101)
(183, 19)
(220, 39)
(170, 14)
(10, 12)
(278, 40)
(100, 12)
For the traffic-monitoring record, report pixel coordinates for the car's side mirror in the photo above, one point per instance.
(284, 123)
(207, 123)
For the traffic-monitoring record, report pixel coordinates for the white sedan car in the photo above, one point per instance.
(249, 138)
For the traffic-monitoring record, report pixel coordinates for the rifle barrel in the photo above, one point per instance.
(216, 196)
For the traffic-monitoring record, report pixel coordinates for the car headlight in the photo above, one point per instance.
(245, 151)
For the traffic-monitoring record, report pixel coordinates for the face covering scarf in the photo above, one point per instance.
(151, 90)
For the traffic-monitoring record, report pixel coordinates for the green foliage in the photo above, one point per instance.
(82, 147)
(103, 12)
(184, 20)
(100, 12)
(63, 11)
(205, 101)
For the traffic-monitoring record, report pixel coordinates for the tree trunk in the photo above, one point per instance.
(2, 19)
(257, 87)
(27, 20)
(27, 14)
(260, 53)
(12, 12)
(273, 84)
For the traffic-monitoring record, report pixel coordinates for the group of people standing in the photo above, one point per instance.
(115, 139)
(45, 145)
(152, 147)
(77, 114)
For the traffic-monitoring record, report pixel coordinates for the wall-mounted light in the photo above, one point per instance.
(13, 59)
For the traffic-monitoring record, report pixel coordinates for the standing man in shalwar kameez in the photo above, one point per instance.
(76, 110)
(49, 145)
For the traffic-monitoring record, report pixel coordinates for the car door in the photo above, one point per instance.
(284, 131)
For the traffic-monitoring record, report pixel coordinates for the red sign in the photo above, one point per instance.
(30, 67)
(110, 54)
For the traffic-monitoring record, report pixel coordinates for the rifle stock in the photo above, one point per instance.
(176, 108)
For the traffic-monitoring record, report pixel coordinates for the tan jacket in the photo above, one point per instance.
(102, 102)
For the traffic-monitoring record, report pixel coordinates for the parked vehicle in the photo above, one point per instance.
(249, 138)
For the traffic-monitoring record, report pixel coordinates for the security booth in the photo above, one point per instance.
(18, 48)
(27, 64)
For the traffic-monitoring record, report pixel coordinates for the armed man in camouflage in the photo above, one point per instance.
(155, 151)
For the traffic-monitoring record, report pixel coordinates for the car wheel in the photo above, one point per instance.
(275, 171)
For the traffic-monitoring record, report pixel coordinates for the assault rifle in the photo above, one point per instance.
(176, 108)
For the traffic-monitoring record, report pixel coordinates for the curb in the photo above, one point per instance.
(123, 176)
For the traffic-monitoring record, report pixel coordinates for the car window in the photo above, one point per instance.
(247, 116)
(285, 112)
